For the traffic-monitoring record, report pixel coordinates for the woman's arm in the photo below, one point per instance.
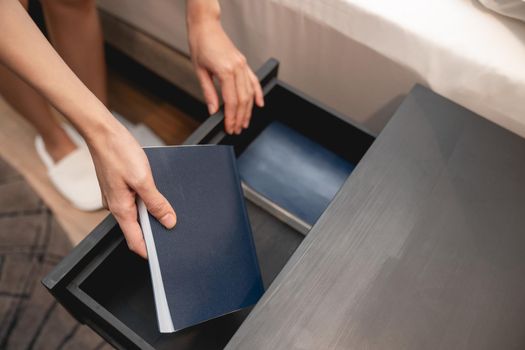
(214, 55)
(122, 167)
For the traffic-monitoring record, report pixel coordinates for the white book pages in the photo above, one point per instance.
(161, 303)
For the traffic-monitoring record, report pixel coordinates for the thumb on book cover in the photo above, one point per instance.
(159, 207)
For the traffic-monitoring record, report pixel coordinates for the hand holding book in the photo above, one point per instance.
(124, 176)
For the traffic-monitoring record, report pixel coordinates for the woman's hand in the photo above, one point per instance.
(124, 173)
(214, 55)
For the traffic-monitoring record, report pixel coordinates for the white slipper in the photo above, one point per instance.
(74, 176)
(143, 134)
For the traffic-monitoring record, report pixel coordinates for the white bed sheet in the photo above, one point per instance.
(361, 56)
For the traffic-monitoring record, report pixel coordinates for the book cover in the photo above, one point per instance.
(207, 265)
(293, 171)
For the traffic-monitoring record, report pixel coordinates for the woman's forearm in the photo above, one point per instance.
(202, 10)
(26, 52)
(122, 167)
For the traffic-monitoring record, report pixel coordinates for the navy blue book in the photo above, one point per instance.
(207, 265)
(294, 172)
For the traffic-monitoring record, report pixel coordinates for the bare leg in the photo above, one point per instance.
(35, 109)
(74, 29)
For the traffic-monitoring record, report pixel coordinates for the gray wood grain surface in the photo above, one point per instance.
(423, 248)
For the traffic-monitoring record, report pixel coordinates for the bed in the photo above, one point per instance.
(361, 57)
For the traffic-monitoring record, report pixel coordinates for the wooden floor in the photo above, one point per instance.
(138, 105)
(126, 98)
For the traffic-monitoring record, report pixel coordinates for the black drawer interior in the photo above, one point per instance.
(109, 288)
(318, 123)
(118, 284)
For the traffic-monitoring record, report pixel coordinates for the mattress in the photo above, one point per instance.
(362, 56)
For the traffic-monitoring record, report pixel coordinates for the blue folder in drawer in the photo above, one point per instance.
(294, 172)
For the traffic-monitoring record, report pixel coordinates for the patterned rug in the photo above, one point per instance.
(31, 243)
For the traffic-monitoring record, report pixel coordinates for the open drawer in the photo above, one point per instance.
(295, 155)
(108, 288)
